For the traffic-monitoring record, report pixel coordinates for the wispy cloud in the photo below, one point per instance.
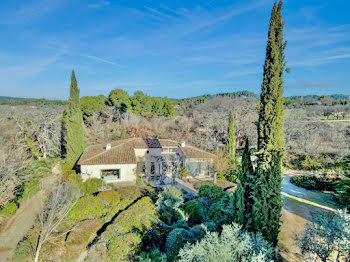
(99, 4)
(226, 16)
(30, 11)
(99, 59)
(320, 60)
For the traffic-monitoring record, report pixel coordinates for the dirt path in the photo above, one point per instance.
(18, 225)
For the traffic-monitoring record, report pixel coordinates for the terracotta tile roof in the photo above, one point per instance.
(194, 152)
(122, 151)
(168, 142)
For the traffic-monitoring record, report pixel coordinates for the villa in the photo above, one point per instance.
(156, 160)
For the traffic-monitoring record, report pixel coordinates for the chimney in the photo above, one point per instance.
(108, 146)
(182, 144)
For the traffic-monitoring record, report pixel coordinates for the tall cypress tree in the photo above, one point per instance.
(74, 124)
(267, 194)
(245, 190)
(231, 141)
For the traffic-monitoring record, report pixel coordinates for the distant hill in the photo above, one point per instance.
(9, 99)
(230, 94)
(32, 101)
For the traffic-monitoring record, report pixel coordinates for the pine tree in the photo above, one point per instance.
(231, 141)
(74, 124)
(245, 190)
(267, 194)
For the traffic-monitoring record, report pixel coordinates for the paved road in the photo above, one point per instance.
(17, 226)
(300, 194)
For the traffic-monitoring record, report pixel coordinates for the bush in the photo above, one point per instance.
(222, 211)
(91, 186)
(214, 193)
(343, 190)
(9, 209)
(196, 211)
(87, 207)
(234, 244)
(123, 237)
(324, 181)
(168, 203)
(176, 240)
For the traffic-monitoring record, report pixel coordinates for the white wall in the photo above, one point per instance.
(127, 172)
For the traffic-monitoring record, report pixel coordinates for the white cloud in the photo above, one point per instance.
(100, 4)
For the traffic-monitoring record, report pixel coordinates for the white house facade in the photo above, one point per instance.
(153, 159)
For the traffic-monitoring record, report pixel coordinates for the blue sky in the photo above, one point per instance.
(168, 48)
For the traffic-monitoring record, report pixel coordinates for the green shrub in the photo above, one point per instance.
(324, 181)
(22, 251)
(9, 209)
(169, 200)
(214, 193)
(222, 211)
(233, 244)
(196, 211)
(176, 240)
(124, 235)
(87, 207)
(91, 186)
(343, 190)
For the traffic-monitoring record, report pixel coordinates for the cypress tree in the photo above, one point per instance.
(74, 124)
(231, 141)
(245, 190)
(267, 194)
(123, 133)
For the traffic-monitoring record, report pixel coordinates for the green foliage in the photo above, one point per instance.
(222, 211)
(9, 209)
(288, 101)
(325, 181)
(231, 245)
(267, 196)
(169, 200)
(183, 172)
(91, 186)
(327, 236)
(22, 251)
(87, 207)
(74, 124)
(196, 210)
(92, 104)
(176, 239)
(32, 147)
(343, 190)
(231, 141)
(123, 133)
(123, 237)
(214, 193)
(245, 190)
(154, 255)
(120, 99)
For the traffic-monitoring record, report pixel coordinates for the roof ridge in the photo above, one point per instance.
(197, 148)
(103, 152)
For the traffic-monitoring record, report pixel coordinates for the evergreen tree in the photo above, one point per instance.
(267, 196)
(123, 133)
(74, 124)
(245, 190)
(231, 141)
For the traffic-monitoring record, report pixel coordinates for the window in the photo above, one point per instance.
(110, 173)
(169, 150)
(153, 168)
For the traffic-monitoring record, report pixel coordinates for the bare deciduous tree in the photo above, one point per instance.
(53, 213)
